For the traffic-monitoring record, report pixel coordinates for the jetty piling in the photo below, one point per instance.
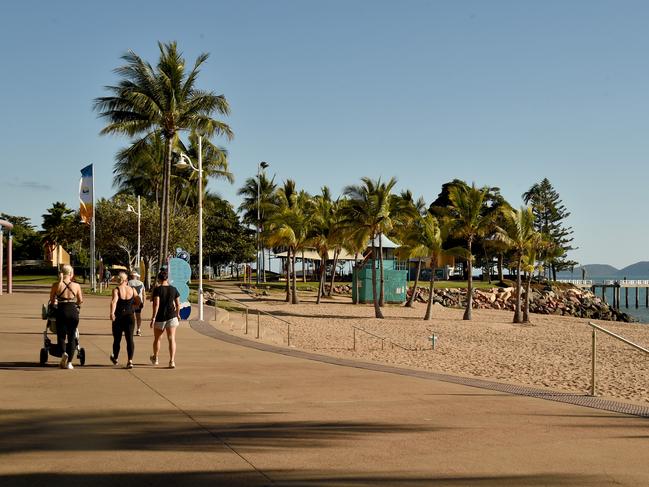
(616, 288)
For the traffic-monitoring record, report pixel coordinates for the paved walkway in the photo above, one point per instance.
(232, 415)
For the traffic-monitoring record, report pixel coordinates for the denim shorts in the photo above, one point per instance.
(172, 323)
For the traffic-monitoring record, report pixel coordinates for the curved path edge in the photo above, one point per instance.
(208, 330)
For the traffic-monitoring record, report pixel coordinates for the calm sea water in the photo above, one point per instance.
(642, 312)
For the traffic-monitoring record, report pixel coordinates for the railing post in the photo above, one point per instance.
(288, 335)
(258, 322)
(354, 330)
(246, 330)
(593, 364)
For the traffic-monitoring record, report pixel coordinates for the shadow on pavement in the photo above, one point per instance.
(165, 430)
(283, 478)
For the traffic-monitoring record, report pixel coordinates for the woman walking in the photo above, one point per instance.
(122, 314)
(66, 295)
(166, 317)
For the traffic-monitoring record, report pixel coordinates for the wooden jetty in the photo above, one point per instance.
(616, 286)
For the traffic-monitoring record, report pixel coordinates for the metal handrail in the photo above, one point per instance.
(594, 351)
(259, 312)
(354, 328)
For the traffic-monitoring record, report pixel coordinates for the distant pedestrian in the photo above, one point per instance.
(67, 296)
(107, 277)
(165, 317)
(122, 305)
(138, 286)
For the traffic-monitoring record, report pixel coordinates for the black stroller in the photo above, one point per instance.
(55, 349)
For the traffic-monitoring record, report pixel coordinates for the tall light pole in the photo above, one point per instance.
(139, 216)
(260, 166)
(184, 162)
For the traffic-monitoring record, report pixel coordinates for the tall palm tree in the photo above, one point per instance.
(265, 200)
(368, 208)
(322, 231)
(424, 241)
(288, 226)
(414, 210)
(517, 232)
(162, 100)
(467, 205)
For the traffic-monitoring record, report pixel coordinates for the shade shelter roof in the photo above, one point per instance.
(387, 243)
(311, 254)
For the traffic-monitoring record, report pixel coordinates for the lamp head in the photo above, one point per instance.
(263, 164)
(129, 208)
(183, 161)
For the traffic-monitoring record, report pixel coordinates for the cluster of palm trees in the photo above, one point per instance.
(155, 104)
(292, 220)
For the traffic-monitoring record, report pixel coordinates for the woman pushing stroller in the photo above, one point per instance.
(66, 295)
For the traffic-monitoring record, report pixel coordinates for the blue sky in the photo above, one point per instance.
(500, 93)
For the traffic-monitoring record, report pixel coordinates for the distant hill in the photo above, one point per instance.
(592, 270)
(633, 271)
(639, 269)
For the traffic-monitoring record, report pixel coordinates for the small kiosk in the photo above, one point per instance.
(395, 274)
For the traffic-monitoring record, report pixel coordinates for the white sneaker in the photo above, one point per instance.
(69, 366)
(153, 359)
(172, 365)
(64, 361)
(129, 364)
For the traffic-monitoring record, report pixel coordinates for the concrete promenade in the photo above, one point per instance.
(235, 416)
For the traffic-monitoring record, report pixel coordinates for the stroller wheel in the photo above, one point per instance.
(43, 358)
(82, 356)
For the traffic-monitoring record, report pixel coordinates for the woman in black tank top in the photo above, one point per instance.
(122, 314)
(67, 296)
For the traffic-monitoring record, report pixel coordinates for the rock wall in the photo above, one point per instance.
(564, 302)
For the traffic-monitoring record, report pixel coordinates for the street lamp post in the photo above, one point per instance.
(185, 161)
(260, 166)
(139, 216)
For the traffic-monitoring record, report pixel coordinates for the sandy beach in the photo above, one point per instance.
(552, 352)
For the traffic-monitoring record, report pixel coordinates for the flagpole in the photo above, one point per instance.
(93, 270)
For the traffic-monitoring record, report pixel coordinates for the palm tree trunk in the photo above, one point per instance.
(414, 287)
(168, 206)
(377, 308)
(382, 296)
(288, 275)
(355, 278)
(163, 205)
(469, 286)
(526, 307)
(263, 263)
(322, 279)
(500, 267)
(517, 311)
(488, 262)
(295, 299)
(431, 293)
(333, 271)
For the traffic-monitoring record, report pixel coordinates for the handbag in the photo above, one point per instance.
(48, 312)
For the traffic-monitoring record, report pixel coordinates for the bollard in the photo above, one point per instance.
(433, 340)
(258, 322)
(288, 336)
(354, 329)
(246, 330)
